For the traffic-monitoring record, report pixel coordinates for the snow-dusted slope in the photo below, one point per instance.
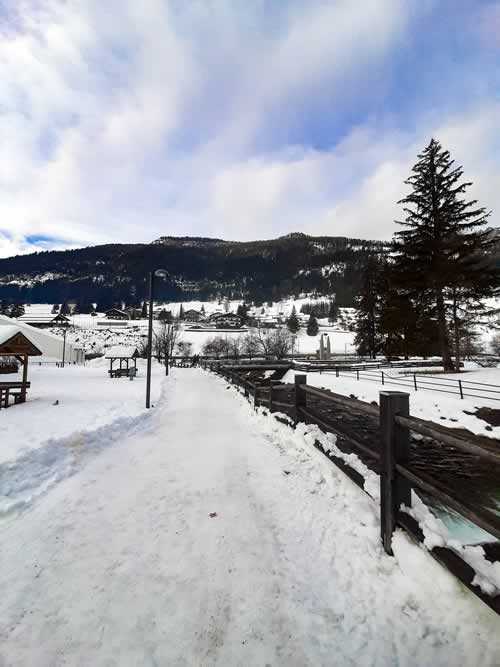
(219, 537)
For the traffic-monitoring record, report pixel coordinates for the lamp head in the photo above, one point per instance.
(161, 273)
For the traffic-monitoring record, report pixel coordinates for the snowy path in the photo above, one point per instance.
(121, 564)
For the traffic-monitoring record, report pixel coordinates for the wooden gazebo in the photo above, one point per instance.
(125, 355)
(13, 343)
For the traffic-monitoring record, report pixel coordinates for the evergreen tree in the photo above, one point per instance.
(55, 309)
(367, 338)
(444, 251)
(65, 309)
(333, 312)
(17, 310)
(165, 315)
(144, 311)
(242, 311)
(202, 310)
(312, 326)
(293, 323)
(181, 312)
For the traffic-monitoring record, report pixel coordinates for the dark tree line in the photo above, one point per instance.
(427, 294)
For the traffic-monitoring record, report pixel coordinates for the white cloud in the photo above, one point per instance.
(123, 121)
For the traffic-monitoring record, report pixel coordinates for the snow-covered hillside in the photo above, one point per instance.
(96, 334)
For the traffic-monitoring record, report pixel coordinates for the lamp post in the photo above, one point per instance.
(158, 273)
(64, 347)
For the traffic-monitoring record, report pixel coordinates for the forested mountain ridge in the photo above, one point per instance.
(199, 268)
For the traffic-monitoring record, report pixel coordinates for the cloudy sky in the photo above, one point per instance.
(126, 120)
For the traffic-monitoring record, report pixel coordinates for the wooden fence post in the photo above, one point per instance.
(300, 396)
(394, 448)
(460, 389)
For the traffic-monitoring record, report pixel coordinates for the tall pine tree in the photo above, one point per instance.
(312, 325)
(444, 247)
(292, 322)
(333, 312)
(367, 338)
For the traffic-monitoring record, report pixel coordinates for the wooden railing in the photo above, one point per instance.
(460, 387)
(391, 453)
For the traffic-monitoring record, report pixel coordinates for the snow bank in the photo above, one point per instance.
(300, 445)
(22, 481)
(71, 414)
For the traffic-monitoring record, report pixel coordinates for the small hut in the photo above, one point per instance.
(13, 343)
(125, 355)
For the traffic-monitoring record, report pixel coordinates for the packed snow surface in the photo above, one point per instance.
(213, 535)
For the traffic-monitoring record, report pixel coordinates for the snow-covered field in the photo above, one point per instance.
(70, 412)
(212, 535)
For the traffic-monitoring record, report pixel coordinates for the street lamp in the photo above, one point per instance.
(64, 346)
(158, 273)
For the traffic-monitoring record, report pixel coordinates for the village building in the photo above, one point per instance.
(133, 313)
(227, 321)
(45, 320)
(53, 348)
(192, 315)
(117, 314)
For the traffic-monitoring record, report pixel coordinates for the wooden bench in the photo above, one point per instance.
(122, 372)
(15, 389)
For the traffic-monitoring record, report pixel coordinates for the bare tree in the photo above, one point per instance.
(250, 345)
(214, 346)
(234, 346)
(184, 348)
(166, 338)
(275, 342)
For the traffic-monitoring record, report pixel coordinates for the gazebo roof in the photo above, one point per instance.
(122, 352)
(13, 341)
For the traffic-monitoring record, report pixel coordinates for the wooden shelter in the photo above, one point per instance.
(13, 343)
(125, 355)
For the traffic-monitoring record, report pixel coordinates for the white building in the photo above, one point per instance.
(52, 347)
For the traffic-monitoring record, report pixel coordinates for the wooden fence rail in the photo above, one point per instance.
(412, 380)
(397, 477)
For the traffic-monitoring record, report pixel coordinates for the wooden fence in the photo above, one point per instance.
(392, 456)
(460, 387)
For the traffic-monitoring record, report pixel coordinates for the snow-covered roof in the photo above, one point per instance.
(49, 344)
(9, 331)
(121, 352)
(43, 318)
(217, 316)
